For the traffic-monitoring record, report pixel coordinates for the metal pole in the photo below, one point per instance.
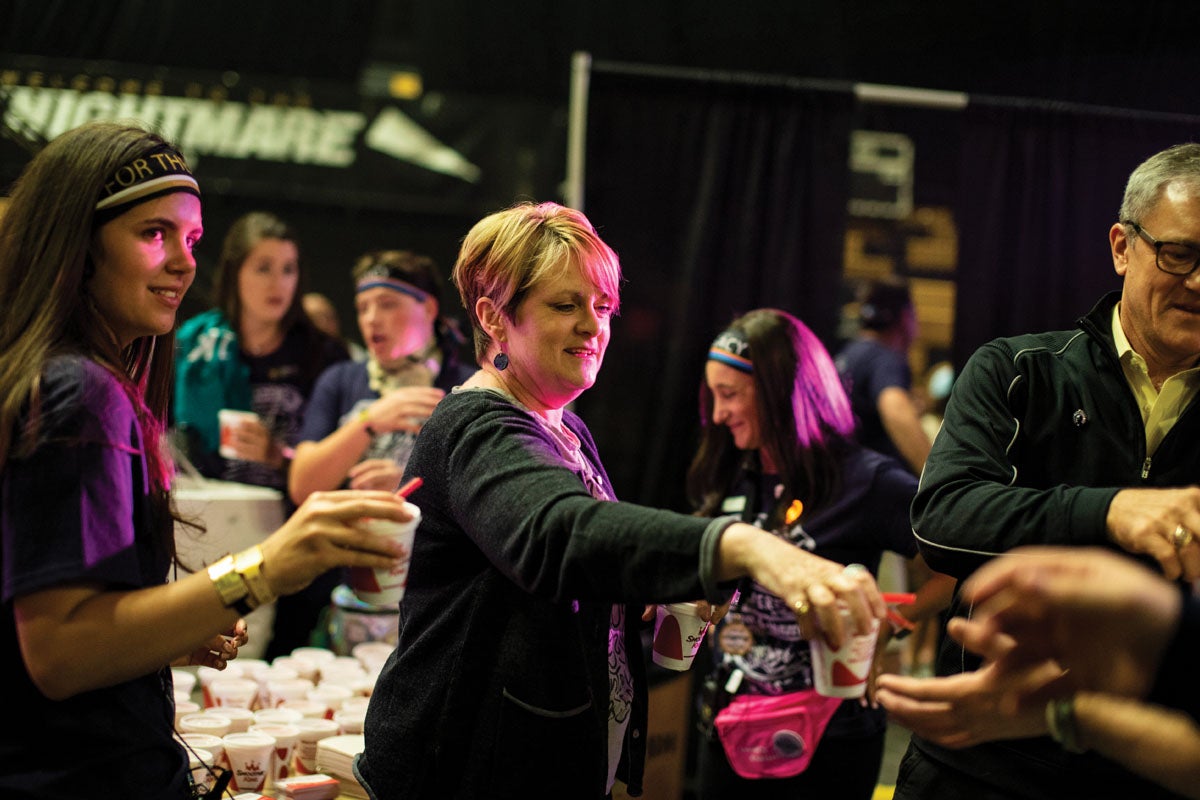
(581, 70)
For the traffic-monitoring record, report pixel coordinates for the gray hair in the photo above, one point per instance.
(1180, 163)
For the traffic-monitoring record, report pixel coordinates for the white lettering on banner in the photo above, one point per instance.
(337, 138)
(92, 105)
(209, 125)
(302, 128)
(32, 107)
(231, 129)
(255, 138)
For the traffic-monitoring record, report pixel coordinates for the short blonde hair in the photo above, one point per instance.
(507, 253)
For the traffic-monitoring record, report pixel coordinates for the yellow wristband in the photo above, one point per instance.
(248, 564)
(364, 417)
(228, 583)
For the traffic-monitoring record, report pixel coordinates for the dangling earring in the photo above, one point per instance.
(500, 362)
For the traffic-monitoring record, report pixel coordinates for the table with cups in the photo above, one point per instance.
(271, 724)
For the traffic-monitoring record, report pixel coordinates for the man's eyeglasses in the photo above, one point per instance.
(1174, 258)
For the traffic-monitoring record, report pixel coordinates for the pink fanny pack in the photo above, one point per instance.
(773, 737)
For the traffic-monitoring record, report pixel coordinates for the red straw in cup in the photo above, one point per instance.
(410, 487)
(385, 587)
(899, 599)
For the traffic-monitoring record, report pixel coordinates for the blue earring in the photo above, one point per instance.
(500, 362)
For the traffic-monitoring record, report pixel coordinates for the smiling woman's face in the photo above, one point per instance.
(144, 265)
(734, 404)
(556, 342)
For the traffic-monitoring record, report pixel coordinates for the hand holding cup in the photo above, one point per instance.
(325, 533)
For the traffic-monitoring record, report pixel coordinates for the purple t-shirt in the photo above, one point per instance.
(76, 509)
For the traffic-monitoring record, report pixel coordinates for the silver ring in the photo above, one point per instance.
(1181, 538)
(855, 569)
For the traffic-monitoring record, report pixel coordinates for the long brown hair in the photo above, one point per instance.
(246, 232)
(46, 233)
(804, 416)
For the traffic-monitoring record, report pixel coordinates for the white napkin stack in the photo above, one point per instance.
(334, 757)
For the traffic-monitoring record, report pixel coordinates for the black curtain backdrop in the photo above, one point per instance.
(720, 194)
(1040, 185)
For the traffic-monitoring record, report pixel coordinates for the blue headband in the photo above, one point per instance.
(382, 277)
(732, 349)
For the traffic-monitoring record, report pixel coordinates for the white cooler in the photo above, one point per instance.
(235, 516)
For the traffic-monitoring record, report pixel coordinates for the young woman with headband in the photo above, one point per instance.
(96, 257)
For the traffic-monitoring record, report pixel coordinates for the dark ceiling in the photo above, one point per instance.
(1133, 55)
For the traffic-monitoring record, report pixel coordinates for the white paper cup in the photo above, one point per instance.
(184, 680)
(678, 632)
(309, 709)
(250, 667)
(356, 703)
(303, 666)
(844, 672)
(279, 692)
(350, 720)
(185, 708)
(205, 741)
(200, 764)
(249, 757)
(228, 420)
(285, 745)
(239, 718)
(277, 716)
(385, 587)
(331, 695)
(206, 675)
(311, 732)
(205, 724)
(372, 654)
(317, 655)
(234, 692)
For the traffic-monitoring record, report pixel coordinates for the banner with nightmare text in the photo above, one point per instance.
(267, 137)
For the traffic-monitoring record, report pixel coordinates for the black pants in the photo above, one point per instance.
(846, 769)
(921, 778)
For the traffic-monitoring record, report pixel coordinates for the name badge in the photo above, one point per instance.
(734, 505)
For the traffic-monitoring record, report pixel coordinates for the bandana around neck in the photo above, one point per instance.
(419, 369)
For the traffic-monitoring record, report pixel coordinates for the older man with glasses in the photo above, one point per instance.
(1089, 436)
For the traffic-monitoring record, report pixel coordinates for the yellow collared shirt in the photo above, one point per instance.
(1160, 407)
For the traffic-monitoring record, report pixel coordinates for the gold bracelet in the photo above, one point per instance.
(229, 584)
(248, 564)
(364, 417)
